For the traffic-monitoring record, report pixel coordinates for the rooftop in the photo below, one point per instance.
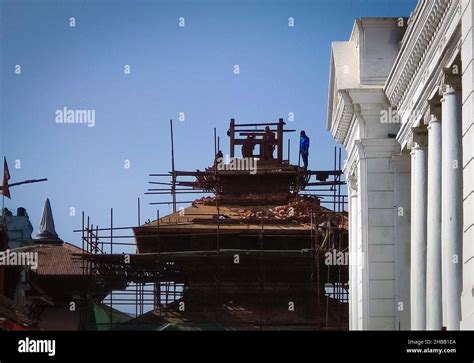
(58, 260)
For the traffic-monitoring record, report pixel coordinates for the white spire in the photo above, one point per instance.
(46, 227)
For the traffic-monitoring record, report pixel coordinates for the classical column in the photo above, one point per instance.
(418, 238)
(434, 313)
(353, 248)
(451, 203)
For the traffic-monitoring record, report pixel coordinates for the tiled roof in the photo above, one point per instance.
(58, 260)
(201, 216)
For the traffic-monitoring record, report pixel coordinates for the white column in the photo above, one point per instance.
(418, 238)
(353, 248)
(451, 218)
(434, 317)
(467, 70)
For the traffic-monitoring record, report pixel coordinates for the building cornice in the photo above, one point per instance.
(377, 148)
(429, 76)
(420, 36)
(348, 106)
(343, 116)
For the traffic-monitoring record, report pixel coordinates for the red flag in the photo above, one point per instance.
(6, 178)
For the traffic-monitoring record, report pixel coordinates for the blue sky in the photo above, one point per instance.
(172, 69)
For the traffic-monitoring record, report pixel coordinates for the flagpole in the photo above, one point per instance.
(3, 195)
(4, 222)
(5, 171)
(3, 210)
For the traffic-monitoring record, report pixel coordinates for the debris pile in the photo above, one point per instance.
(204, 201)
(298, 209)
(247, 199)
(255, 199)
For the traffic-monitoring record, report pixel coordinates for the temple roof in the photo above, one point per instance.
(56, 260)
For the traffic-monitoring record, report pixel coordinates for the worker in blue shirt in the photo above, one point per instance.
(304, 148)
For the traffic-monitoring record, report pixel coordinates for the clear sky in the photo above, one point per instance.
(173, 69)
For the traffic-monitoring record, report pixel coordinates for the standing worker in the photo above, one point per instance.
(268, 144)
(304, 148)
(248, 146)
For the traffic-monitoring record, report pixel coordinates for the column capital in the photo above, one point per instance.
(415, 147)
(433, 111)
(418, 137)
(352, 181)
(451, 80)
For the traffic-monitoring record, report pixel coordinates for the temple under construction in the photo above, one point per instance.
(252, 254)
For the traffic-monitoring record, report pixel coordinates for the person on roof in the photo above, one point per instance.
(218, 158)
(268, 144)
(304, 148)
(248, 146)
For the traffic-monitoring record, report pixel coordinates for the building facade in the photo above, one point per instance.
(401, 103)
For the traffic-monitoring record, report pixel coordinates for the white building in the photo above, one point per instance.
(401, 102)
